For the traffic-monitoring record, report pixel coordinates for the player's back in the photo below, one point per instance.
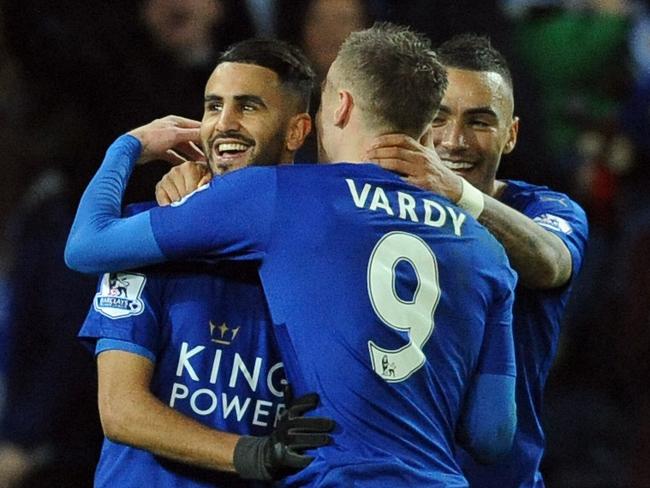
(381, 294)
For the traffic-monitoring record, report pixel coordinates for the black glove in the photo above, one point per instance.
(283, 452)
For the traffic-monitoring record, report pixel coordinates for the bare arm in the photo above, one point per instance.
(540, 258)
(131, 414)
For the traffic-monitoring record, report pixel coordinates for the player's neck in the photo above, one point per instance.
(355, 146)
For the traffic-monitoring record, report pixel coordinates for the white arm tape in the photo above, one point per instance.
(471, 200)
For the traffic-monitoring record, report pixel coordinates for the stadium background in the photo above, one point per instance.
(75, 74)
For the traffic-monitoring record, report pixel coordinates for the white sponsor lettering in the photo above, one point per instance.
(269, 379)
(178, 392)
(184, 360)
(212, 405)
(245, 388)
(259, 411)
(238, 365)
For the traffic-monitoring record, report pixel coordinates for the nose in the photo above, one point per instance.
(451, 136)
(229, 119)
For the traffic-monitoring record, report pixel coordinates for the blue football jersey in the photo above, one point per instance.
(216, 361)
(537, 317)
(386, 300)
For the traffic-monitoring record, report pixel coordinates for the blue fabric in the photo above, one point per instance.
(209, 334)
(114, 344)
(87, 249)
(392, 370)
(485, 439)
(537, 317)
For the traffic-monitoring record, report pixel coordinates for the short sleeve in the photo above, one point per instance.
(124, 309)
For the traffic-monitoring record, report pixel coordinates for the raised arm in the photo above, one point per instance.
(98, 230)
(540, 258)
(216, 220)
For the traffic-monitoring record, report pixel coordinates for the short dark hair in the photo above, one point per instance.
(474, 52)
(286, 60)
(395, 75)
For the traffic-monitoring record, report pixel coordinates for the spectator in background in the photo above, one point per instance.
(320, 27)
(119, 64)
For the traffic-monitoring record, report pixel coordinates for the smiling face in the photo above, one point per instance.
(475, 125)
(246, 119)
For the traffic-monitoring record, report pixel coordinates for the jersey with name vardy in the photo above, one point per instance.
(215, 358)
(386, 300)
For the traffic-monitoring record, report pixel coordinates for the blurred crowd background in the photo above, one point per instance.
(76, 74)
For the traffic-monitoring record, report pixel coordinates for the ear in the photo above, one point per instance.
(299, 129)
(426, 139)
(344, 111)
(512, 136)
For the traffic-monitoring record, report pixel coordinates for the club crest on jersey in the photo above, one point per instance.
(222, 334)
(554, 222)
(120, 295)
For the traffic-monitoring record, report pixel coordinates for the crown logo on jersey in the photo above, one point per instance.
(222, 334)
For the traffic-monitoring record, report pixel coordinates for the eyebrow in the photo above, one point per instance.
(254, 99)
(472, 111)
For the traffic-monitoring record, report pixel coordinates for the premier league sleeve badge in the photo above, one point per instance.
(120, 295)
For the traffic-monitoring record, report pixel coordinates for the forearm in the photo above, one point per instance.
(540, 258)
(100, 240)
(489, 420)
(142, 421)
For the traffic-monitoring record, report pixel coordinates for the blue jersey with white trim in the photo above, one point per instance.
(215, 357)
(386, 300)
(537, 317)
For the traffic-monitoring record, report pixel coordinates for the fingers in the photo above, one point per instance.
(392, 165)
(192, 173)
(166, 193)
(182, 121)
(180, 181)
(171, 132)
(300, 461)
(287, 393)
(303, 404)
(205, 179)
(388, 152)
(394, 140)
(312, 424)
(174, 157)
(190, 151)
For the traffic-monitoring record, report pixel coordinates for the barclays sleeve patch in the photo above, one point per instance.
(553, 222)
(120, 295)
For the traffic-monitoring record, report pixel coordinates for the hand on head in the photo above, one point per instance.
(172, 138)
(417, 163)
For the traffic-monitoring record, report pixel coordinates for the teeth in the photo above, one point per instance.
(231, 146)
(458, 165)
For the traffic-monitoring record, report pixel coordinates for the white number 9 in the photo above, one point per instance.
(415, 316)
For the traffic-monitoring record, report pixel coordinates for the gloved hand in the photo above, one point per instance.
(283, 452)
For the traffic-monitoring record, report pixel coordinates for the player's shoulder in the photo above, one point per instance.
(520, 194)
